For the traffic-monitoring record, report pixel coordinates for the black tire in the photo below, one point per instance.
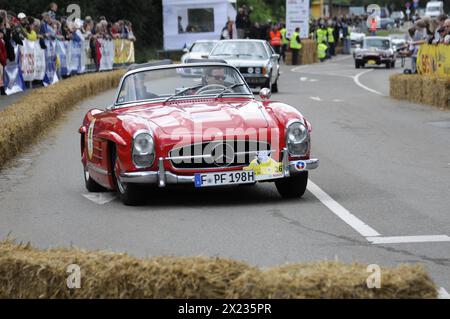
(357, 65)
(393, 64)
(275, 87)
(388, 65)
(128, 193)
(91, 185)
(294, 186)
(268, 84)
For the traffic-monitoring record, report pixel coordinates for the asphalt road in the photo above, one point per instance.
(384, 179)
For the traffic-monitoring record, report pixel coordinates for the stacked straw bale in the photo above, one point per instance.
(26, 272)
(24, 121)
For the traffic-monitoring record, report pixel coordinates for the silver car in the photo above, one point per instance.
(375, 51)
(198, 49)
(255, 59)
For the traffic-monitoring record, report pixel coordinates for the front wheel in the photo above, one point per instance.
(275, 87)
(268, 84)
(91, 185)
(357, 64)
(128, 193)
(294, 186)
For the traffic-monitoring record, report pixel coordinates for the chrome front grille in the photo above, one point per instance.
(217, 154)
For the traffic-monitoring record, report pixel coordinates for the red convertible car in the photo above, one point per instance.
(196, 124)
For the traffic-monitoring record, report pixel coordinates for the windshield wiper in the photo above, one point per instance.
(228, 88)
(182, 92)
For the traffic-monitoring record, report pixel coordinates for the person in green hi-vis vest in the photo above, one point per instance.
(295, 45)
(322, 51)
(284, 42)
(331, 40)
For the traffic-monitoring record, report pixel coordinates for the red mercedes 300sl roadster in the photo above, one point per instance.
(196, 124)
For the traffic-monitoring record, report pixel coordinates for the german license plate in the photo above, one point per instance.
(224, 178)
(371, 62)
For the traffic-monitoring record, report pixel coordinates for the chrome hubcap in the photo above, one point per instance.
(122, 187)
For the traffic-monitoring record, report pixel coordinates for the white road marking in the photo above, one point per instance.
(315, 98)
(355, 78)
(362, 228)
(353, 221)
(358, 83)
(305, 79)
(408, 239)
(338, 101)
(100, 198)
(443, 294)
(332, 61)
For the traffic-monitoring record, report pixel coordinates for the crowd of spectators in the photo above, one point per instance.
(49, 25)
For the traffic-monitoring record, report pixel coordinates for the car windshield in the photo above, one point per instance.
(241, 49)
(434, 9)
(181, 82)
(202, 47)
(377, 43)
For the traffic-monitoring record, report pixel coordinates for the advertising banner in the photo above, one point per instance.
(13, 80)
(433, 59)
(297, 15)
(50, 62)
(107, 52)
(28, 65)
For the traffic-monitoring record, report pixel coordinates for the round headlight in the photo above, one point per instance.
(143, 144)
(258, 70)
(297, 139)
(250, 70)
(143, 150)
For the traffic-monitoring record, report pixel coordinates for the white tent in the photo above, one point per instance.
(200, 20)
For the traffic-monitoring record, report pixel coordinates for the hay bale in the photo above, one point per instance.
(308, 53)
(26, 272)
(26, 119)
(414, 87)
(332, 280)
(398, 87)
(427, 89)
(442, 92)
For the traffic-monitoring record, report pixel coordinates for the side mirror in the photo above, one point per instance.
(358, 46)
(265, 94)
(186, 50)
(276, 56)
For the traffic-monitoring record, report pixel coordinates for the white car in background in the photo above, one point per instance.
(398, 40)
(357, 38)
(198, 50)
(434, 9)
(255, 59)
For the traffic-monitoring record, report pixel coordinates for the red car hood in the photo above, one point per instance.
(193, 116)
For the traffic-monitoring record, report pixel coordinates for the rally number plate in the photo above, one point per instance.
(225, 178)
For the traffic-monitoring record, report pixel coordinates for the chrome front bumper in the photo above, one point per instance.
(163, 177)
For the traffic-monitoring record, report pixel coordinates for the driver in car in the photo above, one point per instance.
(215, 76)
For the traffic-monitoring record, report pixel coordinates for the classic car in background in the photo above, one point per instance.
(203, 131)
(198, 50)
(375, 51)
(255, 59)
